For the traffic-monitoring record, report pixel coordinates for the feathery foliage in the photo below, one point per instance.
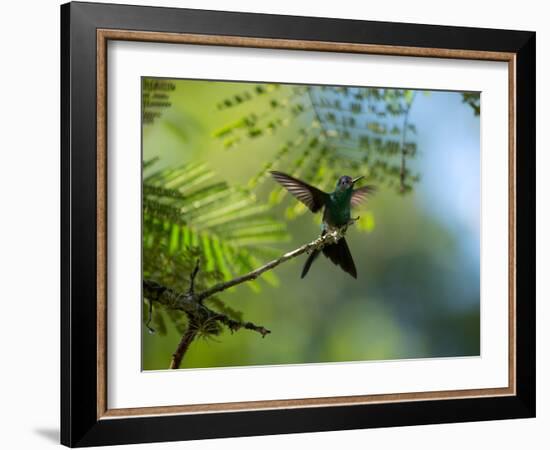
(356, 130)
(473, 99)
(186, 215)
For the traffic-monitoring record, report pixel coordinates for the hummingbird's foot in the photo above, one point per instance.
(351, 221)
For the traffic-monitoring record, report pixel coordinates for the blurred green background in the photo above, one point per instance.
(417, 249)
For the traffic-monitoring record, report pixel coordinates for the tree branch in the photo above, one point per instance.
(317, 114)
(329, 238)
(191, 302)
(184, 344)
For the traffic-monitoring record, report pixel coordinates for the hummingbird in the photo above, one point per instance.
(336, 208)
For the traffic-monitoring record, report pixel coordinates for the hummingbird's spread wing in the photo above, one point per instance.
(361, 194)
(310, 196)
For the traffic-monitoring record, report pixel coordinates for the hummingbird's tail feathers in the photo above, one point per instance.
(340, 255)
(309, 261)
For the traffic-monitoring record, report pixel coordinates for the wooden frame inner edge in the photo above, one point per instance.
(103, 35)
(101, 219)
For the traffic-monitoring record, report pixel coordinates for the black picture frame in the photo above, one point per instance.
(80, 425)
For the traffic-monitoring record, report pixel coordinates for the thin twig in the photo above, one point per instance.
(317, 115)
(403, 171)
(317, 244)
(235, 325)
(193, 276)
(316, 111)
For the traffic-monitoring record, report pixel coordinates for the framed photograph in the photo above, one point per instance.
(276, 224)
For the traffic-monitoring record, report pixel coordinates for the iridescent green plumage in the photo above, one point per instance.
(336, 213)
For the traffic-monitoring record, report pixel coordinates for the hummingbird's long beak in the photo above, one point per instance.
(355, 180)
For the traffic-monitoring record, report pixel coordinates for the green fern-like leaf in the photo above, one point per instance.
(184, 208)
